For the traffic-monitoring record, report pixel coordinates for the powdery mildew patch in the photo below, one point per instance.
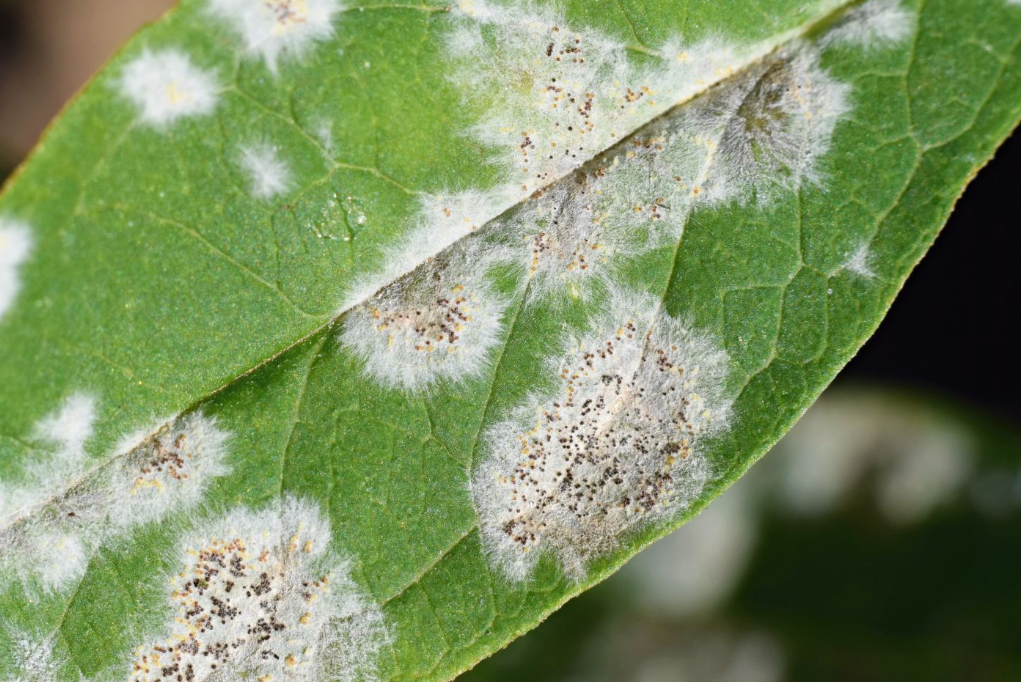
(50, 555)
(873, 24)
(438, 323)
(616, 444)
(261, 595)
(556, 98)
(61, 511)
(559, 95)
(769, 127)
(267, 173)
(638, 197)
(62, 436)
(443, 219)
(168, 471)
(15, 246)
(32, 658)
(272, 29)
(166, 86)
(860, 262)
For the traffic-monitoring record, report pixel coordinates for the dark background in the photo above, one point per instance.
(954, 325)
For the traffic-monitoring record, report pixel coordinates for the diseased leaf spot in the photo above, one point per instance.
(564, 94)
(33, 657)
(768, 128)
(873, 25)
(169, 470)
(616, 445)
(15, 246)
(48, 553)
(267, 174)
(438, 323)
(55, 519)
(860, 262)
(261, 595)
(272, 29)
(166, 86)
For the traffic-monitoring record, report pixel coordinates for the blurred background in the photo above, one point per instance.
(876, 542)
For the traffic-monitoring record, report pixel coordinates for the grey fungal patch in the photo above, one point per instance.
(262, 595)
(873, 24)
(168, 470)
(32, 658)
(628, 201)
(438, 323)
(275, 29)
(64, 509)
(166, 86)
(15, 246)
(615, 445)
(756, 137)
(39, 547)
(769, 127)
(565, 93)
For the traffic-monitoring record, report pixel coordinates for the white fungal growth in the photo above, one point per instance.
(617, 444)
(635, 198)
(15, 245)
(860, 262)
(262, 595)
(62, 435)
(752, 138)
(443, 220)
(324, 134)
(54, 520)
(48, 554)
(267, 174)
(872, 25)
(32, 658)
(59, 558)
(438, 323)
(768, 128)
(166, 86)
(272, 29)
(168, 471)
(555, 95)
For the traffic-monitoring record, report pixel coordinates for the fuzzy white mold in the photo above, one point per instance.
(443, 219)
(440, 322)
(616, 444)
(860, 262)
(168, 471)
(32, 658)
(15, 246)
(267, 173)
(62, 511)
(48, 554)
(873, 25)
(262, 595)
(769, 127)
(555, 95)
(636, 198)
(272, 29)
(166, 86)
(62, 435)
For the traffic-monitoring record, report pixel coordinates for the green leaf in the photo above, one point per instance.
(349, 343)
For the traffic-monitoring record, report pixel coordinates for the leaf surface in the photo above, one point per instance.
(350, 342)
